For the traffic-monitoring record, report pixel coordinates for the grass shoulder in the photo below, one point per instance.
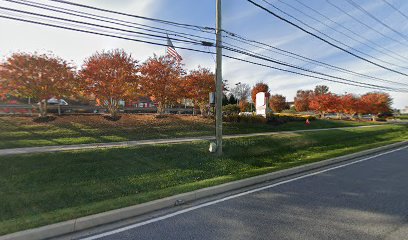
(23, 132)
(46, 188)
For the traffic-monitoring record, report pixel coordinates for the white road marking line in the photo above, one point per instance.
(157, 219)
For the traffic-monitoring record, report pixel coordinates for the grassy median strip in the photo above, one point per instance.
(41, 189)
(23, 132)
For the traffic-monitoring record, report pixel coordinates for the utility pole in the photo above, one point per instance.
(218, 73)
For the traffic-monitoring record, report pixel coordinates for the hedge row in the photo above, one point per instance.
(270, 118)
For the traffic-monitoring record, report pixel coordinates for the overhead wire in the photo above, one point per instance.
(326, 41)
(58, 9)
(366, 25)
(354, 4)
(327, 36)
(395, 8)
(185, 48)
(378, 47)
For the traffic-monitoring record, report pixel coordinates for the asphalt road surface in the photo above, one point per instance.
(367, 199)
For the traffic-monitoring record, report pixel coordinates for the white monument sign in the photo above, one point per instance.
(261, 104)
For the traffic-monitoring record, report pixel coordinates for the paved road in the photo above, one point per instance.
(59, 148)
(364, 200)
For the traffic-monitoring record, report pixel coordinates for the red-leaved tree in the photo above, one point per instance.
(39, 76)
(376, 103)
(350, 104)
(302, 100)
(198, 85)
(110, 77)
(324, 103)
(259, 87)
(162, 80)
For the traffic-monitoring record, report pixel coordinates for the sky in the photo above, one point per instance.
(380, 43)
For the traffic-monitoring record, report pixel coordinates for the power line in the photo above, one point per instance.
(326, 41)
(97, 25)
(377, 19)
(346, 28)
(400, 57)
(301, 68)
(50, 8)
(304, 69)
(182, 25)
(196, 50)
(395, 8)
(96, 33)
(306, 59)
(116, 21)
(297, 73)
(331, 38)
(364, 24)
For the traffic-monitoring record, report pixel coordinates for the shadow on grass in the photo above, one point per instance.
(73, 183)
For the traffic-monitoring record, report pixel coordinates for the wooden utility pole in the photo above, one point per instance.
(218, 73)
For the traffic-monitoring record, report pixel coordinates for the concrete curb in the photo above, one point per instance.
(60, 148)
(83, 223)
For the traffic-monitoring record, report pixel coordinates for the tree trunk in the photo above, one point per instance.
(203, 110)
(43, 108)
(160, 108)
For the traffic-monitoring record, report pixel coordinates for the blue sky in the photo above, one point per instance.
(241, 17)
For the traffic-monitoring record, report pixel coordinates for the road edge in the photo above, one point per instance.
(84, 223)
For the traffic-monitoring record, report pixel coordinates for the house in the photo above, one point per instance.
(405, 110)
(141, 102)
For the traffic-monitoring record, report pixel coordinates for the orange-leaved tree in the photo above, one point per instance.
(302, 100)
(350, 104)
(39, 76)
(259, 87)
(278, 103)
(162, 80)
(110, 77)
(198, 85)
(324, 103)
(376, 103)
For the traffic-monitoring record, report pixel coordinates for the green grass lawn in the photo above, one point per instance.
(41, 189)
(23, 132)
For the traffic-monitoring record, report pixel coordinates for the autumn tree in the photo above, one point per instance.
(244, 105)
(259, 87)
(302, 100)
(198, 85)
(161, 79)
(278, 103)
(110, 77)
(350, 105)
(323, 103)
(39, 76)
(321, 89)
(376, 103)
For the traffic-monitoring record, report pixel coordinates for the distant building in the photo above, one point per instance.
(141, 102)
(290, 104)
(405, 110)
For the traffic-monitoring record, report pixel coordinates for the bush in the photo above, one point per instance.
(44, 119)
(284, 118)
(231, 109)
(244, 118)
(270, 118)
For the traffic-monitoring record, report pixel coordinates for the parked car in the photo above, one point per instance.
(54, 101)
